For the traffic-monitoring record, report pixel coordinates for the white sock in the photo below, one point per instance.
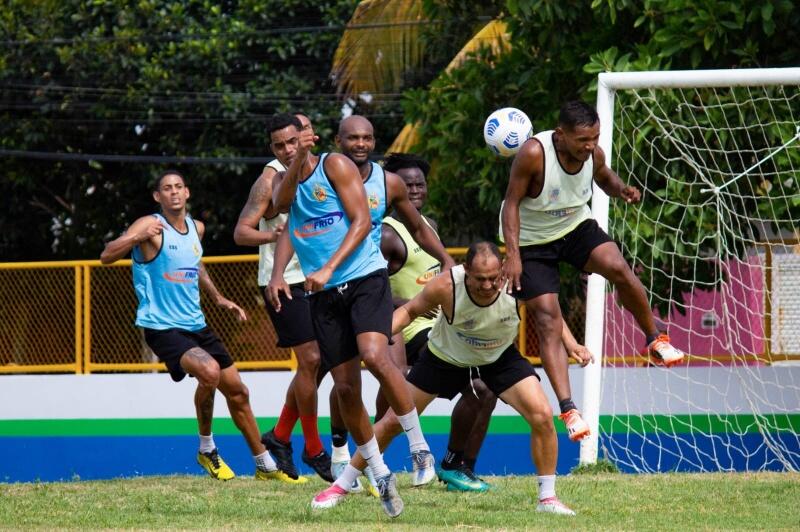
(207, 443)
(372, 454)
(410, 424)
(264, 462)
(547, 486)
(340, 454)
(348, 477)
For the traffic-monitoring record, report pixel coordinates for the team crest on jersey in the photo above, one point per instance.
(554, 194)
(319, 193)
(196, 250)
(469, 324)
(372, 200)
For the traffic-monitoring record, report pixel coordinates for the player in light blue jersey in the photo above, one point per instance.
(351, 305)
(386, 192)
(167, 276)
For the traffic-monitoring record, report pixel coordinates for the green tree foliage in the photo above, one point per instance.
(558, 50)
(191, 78)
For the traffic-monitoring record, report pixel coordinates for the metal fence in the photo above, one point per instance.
(77, 317)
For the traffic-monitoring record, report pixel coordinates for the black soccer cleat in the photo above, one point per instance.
(282, 452)
(320, 463)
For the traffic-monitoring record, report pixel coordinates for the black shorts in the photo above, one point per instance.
(433, 375)
(341, 313)
(415, 346)
(540, 262)
(293, 323)
(170, 345)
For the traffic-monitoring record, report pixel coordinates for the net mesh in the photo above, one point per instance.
(715, 244)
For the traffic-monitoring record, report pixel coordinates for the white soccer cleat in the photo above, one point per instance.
(552, 505)
(390, 498)
(424, 467)
(328, 498)
(662, 353)
(577, 428)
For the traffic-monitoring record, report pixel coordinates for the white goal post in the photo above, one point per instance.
(596, 300)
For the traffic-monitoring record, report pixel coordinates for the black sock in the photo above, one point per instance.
(651, 337)
(470, 463)
(566, 405)
(452, 459)
(338, 436)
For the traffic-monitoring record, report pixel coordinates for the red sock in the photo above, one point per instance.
(286, 423)
(311, 435)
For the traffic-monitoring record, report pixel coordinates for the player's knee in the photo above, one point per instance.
(310, 365)
(376, 360)
(541, 420)
(348, 392)
(208, 374)
(547, 323)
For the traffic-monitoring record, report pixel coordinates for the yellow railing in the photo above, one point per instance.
(77, 317)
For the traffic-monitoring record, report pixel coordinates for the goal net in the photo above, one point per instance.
(715, 243)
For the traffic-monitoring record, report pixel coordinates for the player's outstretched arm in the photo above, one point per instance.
(438, 293)
(207, 285)
(527, 167)
(608, 180)
(347, 180)
(246, 232)
(412, 219)
(144, 230)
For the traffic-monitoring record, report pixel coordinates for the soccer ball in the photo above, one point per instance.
(505, 130)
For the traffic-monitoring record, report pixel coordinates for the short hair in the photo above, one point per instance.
(482, 249)
(397, 161)
(156, 183)
(577, 113)
(282, 120)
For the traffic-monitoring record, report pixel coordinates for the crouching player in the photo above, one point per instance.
(472, 337)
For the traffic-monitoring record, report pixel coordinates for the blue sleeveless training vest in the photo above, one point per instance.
(318, 225)
(168, 287)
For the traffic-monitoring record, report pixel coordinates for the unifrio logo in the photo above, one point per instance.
(429, 274)
(318, 225)
(182, 275)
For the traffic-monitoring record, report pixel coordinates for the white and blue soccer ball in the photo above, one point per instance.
(506, 130)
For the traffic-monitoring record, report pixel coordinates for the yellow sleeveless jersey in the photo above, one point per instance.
(410, 279)
(477, 335)
(563, 203)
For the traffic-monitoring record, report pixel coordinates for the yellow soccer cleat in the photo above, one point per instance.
(215, 465)
(279, 475)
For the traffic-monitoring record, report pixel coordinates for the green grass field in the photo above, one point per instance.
(753, 501)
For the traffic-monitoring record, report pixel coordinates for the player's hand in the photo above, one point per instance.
(154, 227)
(305, 142)
(274, 289)
(227, 304)
(276, 233)
(630, 194)
(432, 314)
(316, 280)
(580, 354)
(512, 271)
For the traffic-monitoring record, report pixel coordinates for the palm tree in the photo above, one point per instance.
(382, 43)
